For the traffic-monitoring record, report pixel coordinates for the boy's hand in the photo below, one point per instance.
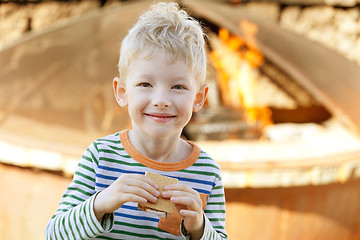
(127, 188)
(189, 205)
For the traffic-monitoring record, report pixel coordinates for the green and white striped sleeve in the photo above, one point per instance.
(75, 217)
(214, 215)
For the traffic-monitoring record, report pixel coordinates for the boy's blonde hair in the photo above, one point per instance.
(166, 28)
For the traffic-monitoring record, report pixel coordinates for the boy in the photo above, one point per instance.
(162, 70)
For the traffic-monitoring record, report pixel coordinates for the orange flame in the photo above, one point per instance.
(236, 59)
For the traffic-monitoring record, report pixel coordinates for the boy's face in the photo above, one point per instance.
(160, 96)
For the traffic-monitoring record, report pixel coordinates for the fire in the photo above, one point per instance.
(236, 60)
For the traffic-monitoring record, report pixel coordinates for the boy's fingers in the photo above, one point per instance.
(145, 183)
(175, 193)
(147, 180)
(189, 202)
(178, 186)
(134, 198)
(188, 213)
(136, 191)
(181, 188)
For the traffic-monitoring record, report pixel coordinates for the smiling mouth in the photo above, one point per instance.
(160, 117)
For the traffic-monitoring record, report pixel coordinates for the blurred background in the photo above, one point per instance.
(281, 119)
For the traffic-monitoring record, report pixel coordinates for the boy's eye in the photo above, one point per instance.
(144, 84)
(179, 87)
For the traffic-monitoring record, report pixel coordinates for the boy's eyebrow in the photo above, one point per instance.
(175, 78)
(180, 78)
(147, 76)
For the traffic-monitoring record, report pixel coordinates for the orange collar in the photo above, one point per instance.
(161, 166)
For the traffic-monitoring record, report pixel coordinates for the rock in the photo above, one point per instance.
(289, 17)
(14, 21)
(346, 21)
(345, 3)
(269, 11)
(315, 16)
(355, 53)
(345, 43)
(48, 13)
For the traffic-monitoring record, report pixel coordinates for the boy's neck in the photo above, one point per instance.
(162, 150)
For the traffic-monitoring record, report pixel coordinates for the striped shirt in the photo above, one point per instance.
(102, 163)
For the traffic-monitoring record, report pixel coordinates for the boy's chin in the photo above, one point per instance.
(163, 133)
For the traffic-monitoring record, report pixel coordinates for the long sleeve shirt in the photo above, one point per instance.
(102, 163)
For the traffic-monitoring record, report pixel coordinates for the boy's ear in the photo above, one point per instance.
(200, 97)
(120, 92)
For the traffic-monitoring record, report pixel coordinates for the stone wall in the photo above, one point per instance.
(335, 27)
(333, 23)
(16, 19)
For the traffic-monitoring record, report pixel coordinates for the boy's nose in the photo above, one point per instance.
(161, 100)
